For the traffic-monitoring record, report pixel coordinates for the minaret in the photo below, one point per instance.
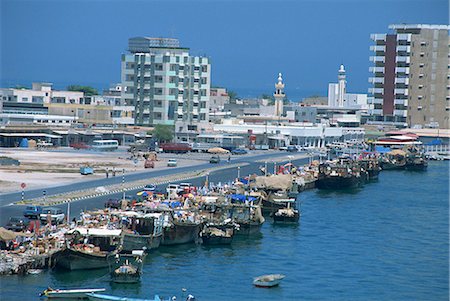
(279, 96)
(341, 86)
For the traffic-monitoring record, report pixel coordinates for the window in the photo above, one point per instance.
(180, 67)
(158, 79)
(158, 67)
(173, 67)
(205, 68)
(25, 99)
(196, 80)
(158, 91)
(196, 68)
(37, 99)
(421, 65)
(204, 80)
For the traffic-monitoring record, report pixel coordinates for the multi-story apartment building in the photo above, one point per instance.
(165, 84)
(411, 76)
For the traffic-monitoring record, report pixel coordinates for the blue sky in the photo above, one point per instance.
(249, 41)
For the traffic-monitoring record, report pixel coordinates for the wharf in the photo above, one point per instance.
(21, 263)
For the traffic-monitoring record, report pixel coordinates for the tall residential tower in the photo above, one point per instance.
(411, 76)
(165, 84)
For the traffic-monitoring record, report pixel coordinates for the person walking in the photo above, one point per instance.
(107, 173)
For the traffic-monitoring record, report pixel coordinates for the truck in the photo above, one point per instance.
(177, 148)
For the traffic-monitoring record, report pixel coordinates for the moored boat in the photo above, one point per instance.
(270, 280)
(218, 233)
(287, 214)
(51, 293)
(339, 174)
(144, 232)
(89, 248)
(127, 268)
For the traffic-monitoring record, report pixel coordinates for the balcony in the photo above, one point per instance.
(402, 70)
(378, 48)
(376, 90)
(401, 102)
(377, 101)
(404, 37)
(376, 69)
(375, 112)
(402, 80)
(377, 59)
(378, 37)
(401, 92)
(402, 59)
(376, 80)
(402, 113)
(401, 48)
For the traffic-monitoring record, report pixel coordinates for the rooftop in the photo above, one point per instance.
(418, 26)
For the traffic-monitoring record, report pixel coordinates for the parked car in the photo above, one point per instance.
(239, 151)
(172, 163)
(150, 187)
(214, 159)
(32, 212)
(173, 188)
(17, 223)
(113, 203)
(292, 148)
(56, 215)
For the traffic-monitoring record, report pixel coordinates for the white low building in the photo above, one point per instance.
(283, 135)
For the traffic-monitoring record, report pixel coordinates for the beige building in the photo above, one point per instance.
(411, 76)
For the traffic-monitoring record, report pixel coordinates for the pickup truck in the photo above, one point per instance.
(56, 215)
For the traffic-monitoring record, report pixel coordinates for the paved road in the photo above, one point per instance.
(224, 175)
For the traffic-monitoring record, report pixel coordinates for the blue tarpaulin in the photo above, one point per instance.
(241, 197)
(435, 142)
(172, 204)
(24, 143)
(382, 149)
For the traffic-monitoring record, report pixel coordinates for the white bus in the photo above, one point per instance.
(105, 145)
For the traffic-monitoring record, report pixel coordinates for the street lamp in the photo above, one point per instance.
(265, 168)
(239, 172)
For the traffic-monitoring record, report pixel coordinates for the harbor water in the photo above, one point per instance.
(388, 240)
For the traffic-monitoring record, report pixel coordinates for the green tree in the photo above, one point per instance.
(163, 133)
(233, 95)
(271, 98)
(20, 87)
(87, 90)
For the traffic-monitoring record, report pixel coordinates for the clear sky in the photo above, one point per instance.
(248, 41)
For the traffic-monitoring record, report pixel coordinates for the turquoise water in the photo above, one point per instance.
(388, 240)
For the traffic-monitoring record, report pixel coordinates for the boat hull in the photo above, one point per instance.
(132, 242)
(284, 219)
(101, 297)
(180, 234)
(337, 182)
(76, 260)
(125, 278)
(251, 228)
(70, 294)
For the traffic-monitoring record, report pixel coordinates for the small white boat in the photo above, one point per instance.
(34, 271)
(268, 280)
(70, 294)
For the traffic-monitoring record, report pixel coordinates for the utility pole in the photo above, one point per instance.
(123, 183)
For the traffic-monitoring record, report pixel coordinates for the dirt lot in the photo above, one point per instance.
(55, 167)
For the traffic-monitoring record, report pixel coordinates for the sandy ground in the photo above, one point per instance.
(61, 166)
